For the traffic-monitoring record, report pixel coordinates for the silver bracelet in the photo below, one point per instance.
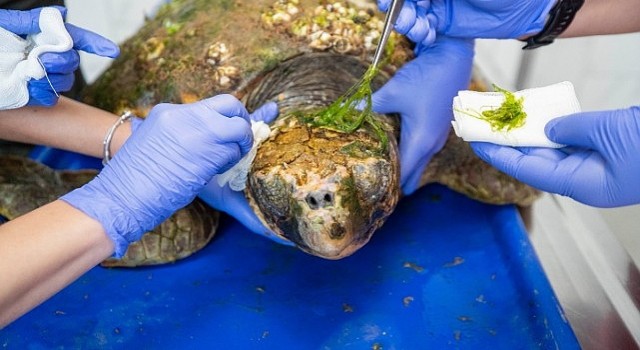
(106, 143)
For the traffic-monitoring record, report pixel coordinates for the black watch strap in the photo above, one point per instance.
(560, 18)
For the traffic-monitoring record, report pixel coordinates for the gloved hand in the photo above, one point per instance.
(233, 202)
(422, 93)
(497, 19)
(164, 165)
(600, 168)
(60, 67)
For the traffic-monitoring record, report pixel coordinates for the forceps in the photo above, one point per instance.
(389, 21)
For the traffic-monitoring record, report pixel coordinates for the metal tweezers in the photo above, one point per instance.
(389, 21)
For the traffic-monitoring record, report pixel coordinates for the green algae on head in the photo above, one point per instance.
(509, 115)
(351, 110)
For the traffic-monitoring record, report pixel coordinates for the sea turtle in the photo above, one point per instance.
(325, 191)
(328, 191)
(26, 184)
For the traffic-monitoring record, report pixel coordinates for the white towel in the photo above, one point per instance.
(19, 57)
(237, 175)
(541, 105)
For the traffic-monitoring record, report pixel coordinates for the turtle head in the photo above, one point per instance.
(329, 199)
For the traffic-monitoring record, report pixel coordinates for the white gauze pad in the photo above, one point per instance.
(540, 104)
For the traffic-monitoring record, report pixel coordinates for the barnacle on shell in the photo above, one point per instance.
(335, 26)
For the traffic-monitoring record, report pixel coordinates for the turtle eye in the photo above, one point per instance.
(371, 178)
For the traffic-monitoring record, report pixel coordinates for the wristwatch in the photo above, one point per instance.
(560, 17)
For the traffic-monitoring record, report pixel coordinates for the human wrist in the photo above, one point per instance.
(108, 138)
(557, 19)
(122, 134)
(118, 221)
(539, 21)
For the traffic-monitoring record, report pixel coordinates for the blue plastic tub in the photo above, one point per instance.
(443, 272)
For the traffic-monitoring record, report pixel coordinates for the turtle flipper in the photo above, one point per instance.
(185, 232)
(26, 184)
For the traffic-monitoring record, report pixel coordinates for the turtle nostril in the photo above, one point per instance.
(320, 199)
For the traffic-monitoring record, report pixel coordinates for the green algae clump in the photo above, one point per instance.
(509, 115)
(351, 110)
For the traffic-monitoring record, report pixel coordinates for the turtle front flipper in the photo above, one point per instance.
(184, 233)
(26, 185)
(457, 167)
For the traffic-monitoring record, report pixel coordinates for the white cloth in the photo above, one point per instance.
(541, 105)
(19, 57)
(237, 175)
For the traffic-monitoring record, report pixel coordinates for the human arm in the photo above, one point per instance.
(69, 125)
(421, 92)
(42, 252)
(74, 126)
(59, 66)
(600, 17)
(511, 19)
(600, 166)
(156, 172)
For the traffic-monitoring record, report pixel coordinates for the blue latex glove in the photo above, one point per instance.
(422, 92)
(60, 67)
(601, 168)
(235, 203)
(497, 19)
(164, 165)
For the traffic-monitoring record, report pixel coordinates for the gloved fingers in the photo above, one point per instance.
(24, 22)
(421, 32)
(556, 155)
(265, 113)
(235, 204)
(383, 5)
(542, 172)
(226, 105)
(385, 99)
(411, 182)
(20, 22)
(449, 48)
(60, 63)
(47, 99)
(431, 21)
(239, 208)
(581, 129)
(614, 134)
(88, 41)
(60, 82)
(221, 157)
(407, 18)
(415, 153)
(236, 130)
(41, 93)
